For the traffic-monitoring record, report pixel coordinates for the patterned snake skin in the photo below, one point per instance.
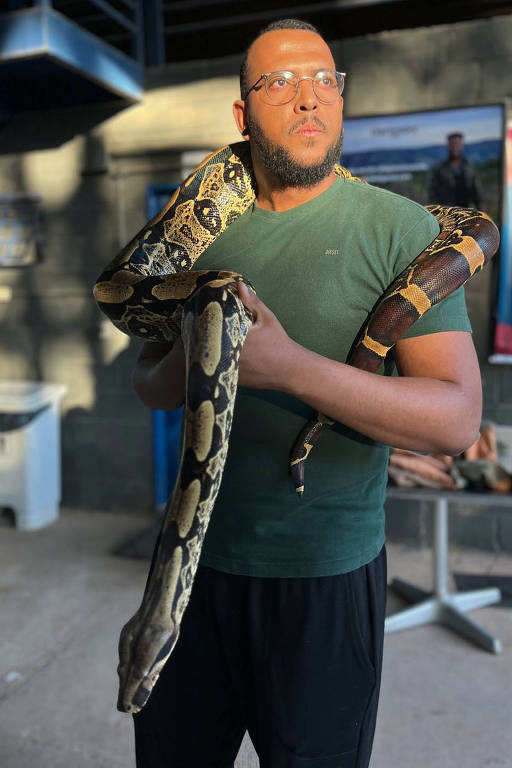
(149, 291)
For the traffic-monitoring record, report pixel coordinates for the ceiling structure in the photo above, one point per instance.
(65, 52)
(212, 28)
(49, 59)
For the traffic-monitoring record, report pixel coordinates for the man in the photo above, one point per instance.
(453, 182)
(283, 633)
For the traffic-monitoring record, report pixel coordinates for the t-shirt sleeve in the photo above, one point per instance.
(450, 314)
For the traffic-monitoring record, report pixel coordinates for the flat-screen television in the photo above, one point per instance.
(408, 154)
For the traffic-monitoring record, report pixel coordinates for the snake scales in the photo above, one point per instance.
(149, 291)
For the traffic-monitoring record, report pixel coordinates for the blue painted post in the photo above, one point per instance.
(166, 453)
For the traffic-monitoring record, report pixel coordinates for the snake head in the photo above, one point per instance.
(144, 647)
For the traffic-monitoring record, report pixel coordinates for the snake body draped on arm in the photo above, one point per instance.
(149, 291)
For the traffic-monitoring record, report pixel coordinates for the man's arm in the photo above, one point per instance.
(435, 405)
(159, 375)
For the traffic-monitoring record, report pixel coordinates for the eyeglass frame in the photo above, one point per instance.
(299, 80)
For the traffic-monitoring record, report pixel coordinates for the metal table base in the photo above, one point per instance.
(441, 606)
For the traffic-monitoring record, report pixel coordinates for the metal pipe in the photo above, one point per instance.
(121, 19)
(154, 33)
(138, 46)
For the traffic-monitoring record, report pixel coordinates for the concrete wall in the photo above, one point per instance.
(92, 166)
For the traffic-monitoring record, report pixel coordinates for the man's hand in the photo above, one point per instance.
(268, 352)
(433, 406)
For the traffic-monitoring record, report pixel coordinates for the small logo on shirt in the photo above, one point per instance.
(332, 252)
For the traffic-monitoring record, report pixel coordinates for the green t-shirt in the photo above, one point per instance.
(320, 267)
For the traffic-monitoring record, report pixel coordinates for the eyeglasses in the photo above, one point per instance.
(282, 87)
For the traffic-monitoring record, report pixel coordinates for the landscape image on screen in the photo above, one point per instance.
(398, 152)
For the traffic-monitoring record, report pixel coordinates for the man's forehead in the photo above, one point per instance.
(289, 48)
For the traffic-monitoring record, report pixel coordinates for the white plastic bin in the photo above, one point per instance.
(30, 478)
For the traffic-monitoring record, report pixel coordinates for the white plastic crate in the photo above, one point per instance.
(30, 477)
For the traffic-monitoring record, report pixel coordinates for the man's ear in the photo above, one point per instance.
(240, 119)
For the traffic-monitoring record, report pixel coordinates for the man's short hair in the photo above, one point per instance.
(281, 24)
(456, 135)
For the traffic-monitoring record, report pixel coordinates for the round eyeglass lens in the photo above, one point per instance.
(327, 86)
(281, 87)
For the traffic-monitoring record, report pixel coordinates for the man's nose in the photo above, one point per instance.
(306, 99)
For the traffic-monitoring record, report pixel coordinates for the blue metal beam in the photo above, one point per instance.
(21, 34)
(43, 31)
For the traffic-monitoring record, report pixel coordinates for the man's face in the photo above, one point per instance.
(299, 141)
(456, 146)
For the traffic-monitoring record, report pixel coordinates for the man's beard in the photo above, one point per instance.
(289, 172)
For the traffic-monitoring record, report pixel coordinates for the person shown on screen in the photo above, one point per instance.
(453, 181)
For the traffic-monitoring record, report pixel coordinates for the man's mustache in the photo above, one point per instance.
(313, 119)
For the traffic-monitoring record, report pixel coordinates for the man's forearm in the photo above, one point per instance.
(387, 409)
(160, 383)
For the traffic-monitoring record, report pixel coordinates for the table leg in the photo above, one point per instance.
(441, 606)
(465, 626)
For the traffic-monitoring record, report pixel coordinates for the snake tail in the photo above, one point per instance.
(308, 436)
(467, 240)
(214, 326)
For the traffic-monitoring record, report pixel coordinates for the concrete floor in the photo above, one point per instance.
(64, 597)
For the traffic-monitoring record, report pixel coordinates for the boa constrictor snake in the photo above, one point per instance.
(149, 291)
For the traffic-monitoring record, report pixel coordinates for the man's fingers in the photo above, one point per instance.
(249, 299)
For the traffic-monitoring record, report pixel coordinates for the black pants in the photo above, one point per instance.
(295, 661)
